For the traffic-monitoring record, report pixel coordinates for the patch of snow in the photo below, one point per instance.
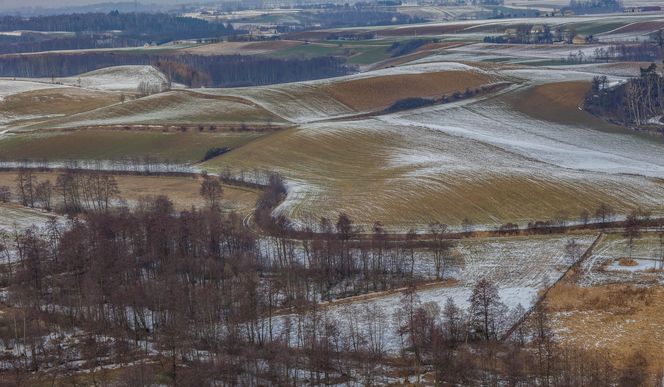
(641, 265)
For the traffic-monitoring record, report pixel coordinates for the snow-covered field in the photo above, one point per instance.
(604, 267)
(9, 87)
(14, 218)
(168, 108)
(571, 148)
(520, 267)
(121, 78)
(295, 102)
(479, 158)
(526, 50)
(640, 265)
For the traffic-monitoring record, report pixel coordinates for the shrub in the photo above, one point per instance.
(403, 48)
(409, 103)
(215, 152)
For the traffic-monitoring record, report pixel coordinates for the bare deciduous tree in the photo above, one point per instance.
(632, 230)
(211, 191)
(486, 308)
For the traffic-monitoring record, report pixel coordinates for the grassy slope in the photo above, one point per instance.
(14, 217)
(379, 92)
(56, 101)
(562, 101)
(107, 144)
(343, 167)
(564, 105)
(175, 107)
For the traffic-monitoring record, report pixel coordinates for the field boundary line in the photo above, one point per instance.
(542, 297)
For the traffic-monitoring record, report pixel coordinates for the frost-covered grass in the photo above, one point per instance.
(566, 146)
(26, 108)
(17, 218)
(526, 50)
(481, 158)
(636, 266)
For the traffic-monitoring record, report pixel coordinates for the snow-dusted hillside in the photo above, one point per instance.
(121, 78)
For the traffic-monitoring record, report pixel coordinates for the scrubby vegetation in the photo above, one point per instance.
(215, 152)
(410, 103)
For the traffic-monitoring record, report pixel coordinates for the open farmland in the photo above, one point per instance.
(382, 91)
(439, 203)
(30, 107)
(243, 48)
(171, 108)
(615, 262)
(416, 174)
(55, 101)
(492, 160)
(56, 145)
(326, 99)
(563, 101)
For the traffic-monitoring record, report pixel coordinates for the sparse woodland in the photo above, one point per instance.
(632, 103)
(198, 298)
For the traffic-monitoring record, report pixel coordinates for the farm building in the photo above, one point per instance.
(578, 39)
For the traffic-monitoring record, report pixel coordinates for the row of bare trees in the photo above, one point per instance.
(74, 190)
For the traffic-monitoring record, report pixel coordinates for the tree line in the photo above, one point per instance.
(594, 6)
(139, 28)
(632, 103)
(352, 16)
(74, 191)
(192, 70)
